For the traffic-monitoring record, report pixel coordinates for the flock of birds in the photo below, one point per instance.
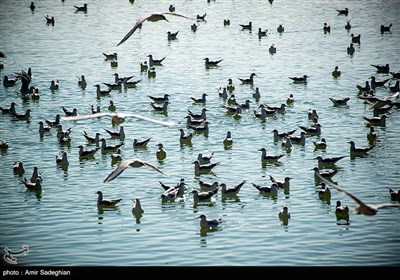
(197, 122)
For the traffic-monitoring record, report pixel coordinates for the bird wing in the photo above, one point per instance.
(386, 205)
(99, 115)
(175, 14)
(153, 167)
(136, 26)
(121, 167)
(356, 199)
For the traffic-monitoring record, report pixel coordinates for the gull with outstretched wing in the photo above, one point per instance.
(116, 117)
(362, 207)
(153, 18)
(132, 163)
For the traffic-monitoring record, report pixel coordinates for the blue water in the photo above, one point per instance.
(63, 226)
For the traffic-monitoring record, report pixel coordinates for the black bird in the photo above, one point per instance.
(249, 80)
(345, 11)
(340, 102)
(210, 63)
(382, 68)
(81, 8)
(106, 203)
(386, 28)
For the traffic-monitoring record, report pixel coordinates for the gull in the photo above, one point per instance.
(163, 108)
(18, 168)
(109, 148)
(87, 153)
(210, 63)
(203, 196)
(185, 138)
(137, 210)
(54, 123)
(372, 135)
(24, 116)
(203, 168)
(280, 28)
(202, 115)
(270, 190)
(32, 186)
(272, 49)
(345, 11)
(312, 130)
(324, 193)
(90, 139)
(231, 191)
(117, 118)
(70, 113)
(339, 102)
(377, 121)
(265, 157)
(249, 80)
(359, 151)
(247, 26)
(193, 27)
(131, 84)
(110, 56)
(375, 83)
(160, 153)
(160, 99)
(355, 39)
(35, 174)
(336, 72)
(312, 113)
(262, 33)
(222, 93)
(230, 87)
(341, 211)
(106, 203)
(43, 129)
(362, 207)
(326, 175)
(394, 194)
(137, 144)
(228, 141)
(166, 188)
(50, 20)
(10, 110)
(298, 139)
(172, 35)
(348, 25)
(152, 18)
(62, 159)
(81, 8)
(302, 79)
(205, 159)
(386, 28)
(282, 135)
(7, 82)
(116, 157)
(207, 186)
(204, 223)
(82, 81)
(381, 68)
(100, 92)
(323, 162)
(129, 163)
(193, 122)
(200, 100)
(283, 185)
(4, 145)
(284, 213)
(117, 134)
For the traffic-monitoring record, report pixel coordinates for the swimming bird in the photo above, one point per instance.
(394, 194)
(249, 80)
(82, 81)
(70, 113)
(152, 18)
(4, 145)
(203, 168)
(32, 6)
(106, 203)
(130, 163)
(203, 196)
(172, 35)
(202, 115)
(385, 28)
(350, 49)
(376, 121)
(395, 88)
(231, 191)
(280, 28)
(204, 223)
(348, 25)
(153, 61)
(336, 72)
(312, 130)
(143, 66)
(117, 134)
(324, 193)
(265, 157)
(227, 22)
(101, 93)
(222, 92)
(382, 68)
(230, 86)
(32, 186)
(326, 28)
(112, 106)
(339, 102)
(62, 159)
(205, 158)
(130, 84)
(137, 210)
(344, 11)
(278, 136)
(272, 49)
(163, 108)
(140, 144)
(372, 135)
(284, 214)
(267, 190)
(204, 186)
(326, 174)
(81, 8)
(83, 154)
(247, 26)
(302, 79)
(193, 27)
(117, 118)
(54, 123)
(7, 82)
(228, 141)
(18, 168)
(375, 83)
(201, 100)
(341, 211)
(201, 128)
(359, 151)
(10, 110)
(261, 32)
(109, 148)
(201, 17)
(328, 161)
(282, 185)
(161, 153)
(395, 75)
(54, 85)
(116, 157)
(160, 99)
(355, 39)
(90, 139)
(362, 207)
(211, 63)
(287, 144)
(36, 175)
(43, 129)
(185, 138)
(50, 20)
(193, 122)
(23, 116)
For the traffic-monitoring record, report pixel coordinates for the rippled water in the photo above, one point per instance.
(63, 226)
